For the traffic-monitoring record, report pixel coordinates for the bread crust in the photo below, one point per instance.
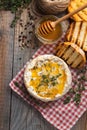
(77, 33)
(42, 59)
(80, 16)
(73, 54)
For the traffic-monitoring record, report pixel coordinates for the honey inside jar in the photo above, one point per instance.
(54, 35)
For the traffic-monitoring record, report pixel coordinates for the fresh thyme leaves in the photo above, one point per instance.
(55, 77)
(44, 76)
(46, 79)
(14, 21)
(16, 84)
(32, 79)
(20, 86)
(75, 93)
(58, 75)
(77, 98)
(54, 83)
(80, 88)
(67, 100)
(15, 6)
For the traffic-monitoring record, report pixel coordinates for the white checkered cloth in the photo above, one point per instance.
(61, 116)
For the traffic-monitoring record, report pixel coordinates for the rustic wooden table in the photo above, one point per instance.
(15, 114)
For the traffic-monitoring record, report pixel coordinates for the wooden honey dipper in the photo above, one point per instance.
(48, 26)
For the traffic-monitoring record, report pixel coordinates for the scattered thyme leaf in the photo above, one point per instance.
(16, 84)
(67, 100)
(80, 88)
(59, 75)
(20, 87)
(77, 98)
(83, 77)
(54, 83)
(72, 91)
(76, 91)
(15, 6)
(44, 76)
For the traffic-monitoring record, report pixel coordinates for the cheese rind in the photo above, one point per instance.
(47, 78)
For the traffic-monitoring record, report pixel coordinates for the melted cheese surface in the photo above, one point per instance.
(48, 79)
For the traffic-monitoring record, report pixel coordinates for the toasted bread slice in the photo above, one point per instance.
(73, 32)
(70, 32)
(73, 55)
(80, 3)
(76, 31)
(84, 11)
(81, 14)
(72, 58)
(82, 34)
(77, 34)
(80, 59)
(68, 52)
(85, 43)
(75, 16)
(60, 51)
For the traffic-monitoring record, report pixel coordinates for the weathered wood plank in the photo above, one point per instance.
(82, 123)
(20, 111)
(23, 116)
(6, 57)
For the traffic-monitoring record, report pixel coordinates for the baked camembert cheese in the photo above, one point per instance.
(47, 77)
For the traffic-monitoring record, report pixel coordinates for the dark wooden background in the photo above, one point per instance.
(15, 114)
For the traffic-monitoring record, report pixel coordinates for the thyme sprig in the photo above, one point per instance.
(15, 6)
(75, 93)
(46, 79)
(20, 86)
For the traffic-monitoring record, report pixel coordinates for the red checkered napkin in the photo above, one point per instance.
(63, 117)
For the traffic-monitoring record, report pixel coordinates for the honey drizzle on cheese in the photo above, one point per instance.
(48, 80)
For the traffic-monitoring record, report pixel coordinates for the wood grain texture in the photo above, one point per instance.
(82, 123)
(6, 58)
(21, 114)
(16, 114)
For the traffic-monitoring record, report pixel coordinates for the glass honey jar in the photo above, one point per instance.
(55, 35)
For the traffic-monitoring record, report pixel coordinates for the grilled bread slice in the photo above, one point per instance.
(80, 16)
(75, 16)
(69, 32)
(85, 43)
(82, 34)
(72, 54)
(72, 33)
(77, 34)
